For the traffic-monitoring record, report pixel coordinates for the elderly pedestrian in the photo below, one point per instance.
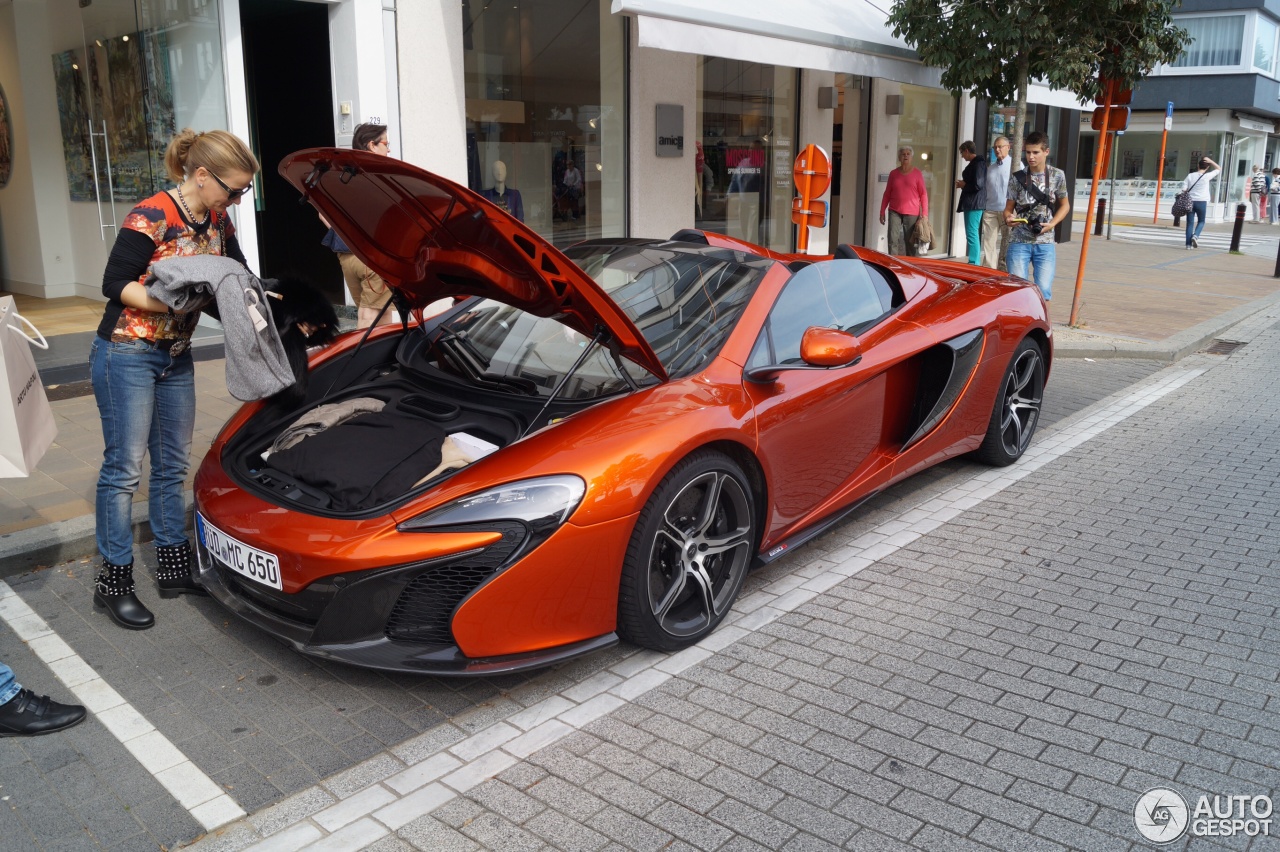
(995, 233)
(906, 200)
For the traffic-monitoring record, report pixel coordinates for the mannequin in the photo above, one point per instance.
(501, 194)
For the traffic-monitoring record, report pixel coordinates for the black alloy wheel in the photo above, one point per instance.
(1017, 407)
(691, 549)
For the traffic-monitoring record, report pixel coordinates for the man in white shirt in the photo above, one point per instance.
(1196, 185)
(995, 233)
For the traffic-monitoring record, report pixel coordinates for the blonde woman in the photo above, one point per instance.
(141, 368)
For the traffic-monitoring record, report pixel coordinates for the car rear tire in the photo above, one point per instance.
(1017, 408)
(692, 546)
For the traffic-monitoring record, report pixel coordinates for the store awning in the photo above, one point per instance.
(851, 37)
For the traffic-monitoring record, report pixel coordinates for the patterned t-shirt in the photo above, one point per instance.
(1053, 183)
(158, 217)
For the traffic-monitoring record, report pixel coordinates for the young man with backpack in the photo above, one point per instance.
(1037, 203)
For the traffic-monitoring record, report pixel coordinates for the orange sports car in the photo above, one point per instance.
(591, 444)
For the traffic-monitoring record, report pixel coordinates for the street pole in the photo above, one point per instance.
(1111, 208)
(1088, 216)
(1164, 138)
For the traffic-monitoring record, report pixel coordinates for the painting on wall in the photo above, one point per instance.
(132, 121)
(6, 140)
(73, 117)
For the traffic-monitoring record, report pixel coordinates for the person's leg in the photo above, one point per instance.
(894, 232)
(973, 235)
(909, 225)
(1018, 259)
(9, 685)
(124, 377)
(124, 386)
(991, 222)
(1044, 256)
(1199, 209)
(169, 443)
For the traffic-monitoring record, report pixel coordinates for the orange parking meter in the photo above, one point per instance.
(812, 174)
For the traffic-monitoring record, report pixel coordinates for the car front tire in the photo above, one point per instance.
(692, 546)
(1017, 407)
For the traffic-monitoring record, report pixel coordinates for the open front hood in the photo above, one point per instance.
(429, 237)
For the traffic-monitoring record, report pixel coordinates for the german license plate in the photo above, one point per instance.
(257, 565)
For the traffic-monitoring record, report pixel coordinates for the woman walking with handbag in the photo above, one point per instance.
(142, 371)
(1196, 185)
(906, 200)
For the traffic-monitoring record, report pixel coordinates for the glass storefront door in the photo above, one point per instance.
(928, 126)
(130, 74)
(746, 127)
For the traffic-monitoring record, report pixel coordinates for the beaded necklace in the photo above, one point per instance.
(191, 216)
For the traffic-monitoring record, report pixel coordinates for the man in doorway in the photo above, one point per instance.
(1037, 203)
(995, 233)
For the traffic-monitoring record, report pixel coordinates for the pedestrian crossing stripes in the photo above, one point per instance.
(1209, 240)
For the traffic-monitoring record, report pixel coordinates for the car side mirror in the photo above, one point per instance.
(819, 347)
(829, 347)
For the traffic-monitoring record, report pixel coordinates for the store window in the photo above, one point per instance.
(1215, 41)
(1133, 177)
(546, 120)
(928, 126)
(746, 127)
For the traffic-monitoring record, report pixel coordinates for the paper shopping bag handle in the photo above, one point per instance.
(38, 340)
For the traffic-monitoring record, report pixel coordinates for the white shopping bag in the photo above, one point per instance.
(27, 427)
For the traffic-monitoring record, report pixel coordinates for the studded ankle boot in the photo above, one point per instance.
(173, 571)
(113, 592)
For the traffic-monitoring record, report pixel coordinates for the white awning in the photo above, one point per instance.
(851, 37)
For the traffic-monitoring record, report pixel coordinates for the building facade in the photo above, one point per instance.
(604, 119)
(1225, 97)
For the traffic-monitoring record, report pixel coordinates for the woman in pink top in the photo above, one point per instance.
(906, 200)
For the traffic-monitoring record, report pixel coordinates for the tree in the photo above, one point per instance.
(995, 49)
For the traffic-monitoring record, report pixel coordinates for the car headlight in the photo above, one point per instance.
(540, 505)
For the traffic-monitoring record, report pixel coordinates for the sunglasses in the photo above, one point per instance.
(232, 194)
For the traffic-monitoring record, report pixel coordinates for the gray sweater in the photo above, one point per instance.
(257, 366)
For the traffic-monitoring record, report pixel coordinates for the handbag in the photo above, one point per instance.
(27, 427)
(922, 234)
(1182, 201)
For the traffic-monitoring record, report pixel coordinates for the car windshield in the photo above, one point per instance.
(684, 303)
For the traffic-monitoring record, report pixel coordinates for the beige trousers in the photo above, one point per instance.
(995, 239)
(367, 290)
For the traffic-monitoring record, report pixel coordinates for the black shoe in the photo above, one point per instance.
(1195, 243)
(125, 610)
(28, 715)
(173, 571)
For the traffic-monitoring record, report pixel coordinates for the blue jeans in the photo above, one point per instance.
(1198, 210)
(1043, 256)
(9, 685)
(973, 234)
(147, 401)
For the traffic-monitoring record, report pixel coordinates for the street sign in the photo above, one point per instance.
(1168, 116)
(812, 174)
(1119, 119)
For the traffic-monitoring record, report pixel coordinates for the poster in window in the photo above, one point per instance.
(1133, 163)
